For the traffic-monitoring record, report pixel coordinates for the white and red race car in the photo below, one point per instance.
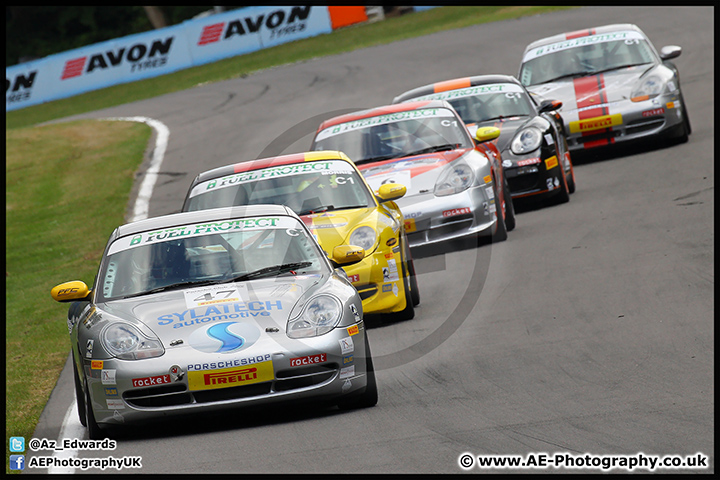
(456, 186)
(614, 86)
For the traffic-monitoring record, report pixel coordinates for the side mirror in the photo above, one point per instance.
(70, 291)
(485, 134)
(391, 191)
(347, 255)
(670, 51)
(549, 106)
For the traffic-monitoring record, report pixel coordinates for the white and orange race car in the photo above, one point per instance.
(613, 84)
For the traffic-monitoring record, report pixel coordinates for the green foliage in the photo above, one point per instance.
(33, 32)
(38, 31)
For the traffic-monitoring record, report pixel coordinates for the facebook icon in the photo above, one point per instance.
(17, 462)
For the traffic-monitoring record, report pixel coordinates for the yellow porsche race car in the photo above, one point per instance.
(328, 192)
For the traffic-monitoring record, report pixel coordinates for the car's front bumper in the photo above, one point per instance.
(430, 219)
(638, 121)
(125, 391)
(535, 175)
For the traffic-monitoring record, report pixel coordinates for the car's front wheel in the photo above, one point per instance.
(570, 177)
(94, 431)
(79, 397)
(686, 128)
(408, 313)
(500, 234)
(414, 290)
(563, 196)
(509, 207)
(369, 396)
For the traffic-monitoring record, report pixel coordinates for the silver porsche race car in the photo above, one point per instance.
(213, 310)
(456, 188)
(613, 85)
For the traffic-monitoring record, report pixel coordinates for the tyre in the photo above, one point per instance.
(94, 431)
(509, 207)
(500, 234)
(414, 290)
(408, 313)
(369, 396)
(570, 179)
(563, 196)
(686, 128)
(79, 397)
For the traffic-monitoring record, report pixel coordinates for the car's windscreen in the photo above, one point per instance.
(585, 56)
(395, 135)
(484, 103)
(308, 187)
(208, 253)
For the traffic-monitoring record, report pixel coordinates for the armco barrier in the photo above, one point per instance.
(166, 50)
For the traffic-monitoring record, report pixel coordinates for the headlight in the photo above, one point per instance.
(526, 141)
(647, 88)
(124, 341)
(320, 315)
(363, 237)
(455, 179)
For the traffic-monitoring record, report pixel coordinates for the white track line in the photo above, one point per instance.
(71, 426)
(142, 202)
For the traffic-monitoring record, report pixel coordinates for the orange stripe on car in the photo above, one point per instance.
(451, 84)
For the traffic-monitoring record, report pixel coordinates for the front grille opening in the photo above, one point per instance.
(457, 218)
(643, 125)
(450, 228)
(309, 370)
(160, 396)
(302, 377)
(522, 183)
(367, 291)
(221, 394)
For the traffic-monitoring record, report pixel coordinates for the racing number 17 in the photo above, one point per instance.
(208, 296)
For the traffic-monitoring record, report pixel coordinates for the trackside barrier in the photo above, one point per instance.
(166, 50)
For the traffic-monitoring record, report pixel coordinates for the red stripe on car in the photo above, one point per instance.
(579, 33)
(589, 92)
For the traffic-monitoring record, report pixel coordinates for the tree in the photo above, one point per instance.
(156, 17)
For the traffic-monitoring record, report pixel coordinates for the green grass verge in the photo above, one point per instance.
(67, 188)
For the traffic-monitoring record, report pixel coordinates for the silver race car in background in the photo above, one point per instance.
(212, 310)
(613, 84)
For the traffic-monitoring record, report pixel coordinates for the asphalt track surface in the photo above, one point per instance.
(589, 331)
